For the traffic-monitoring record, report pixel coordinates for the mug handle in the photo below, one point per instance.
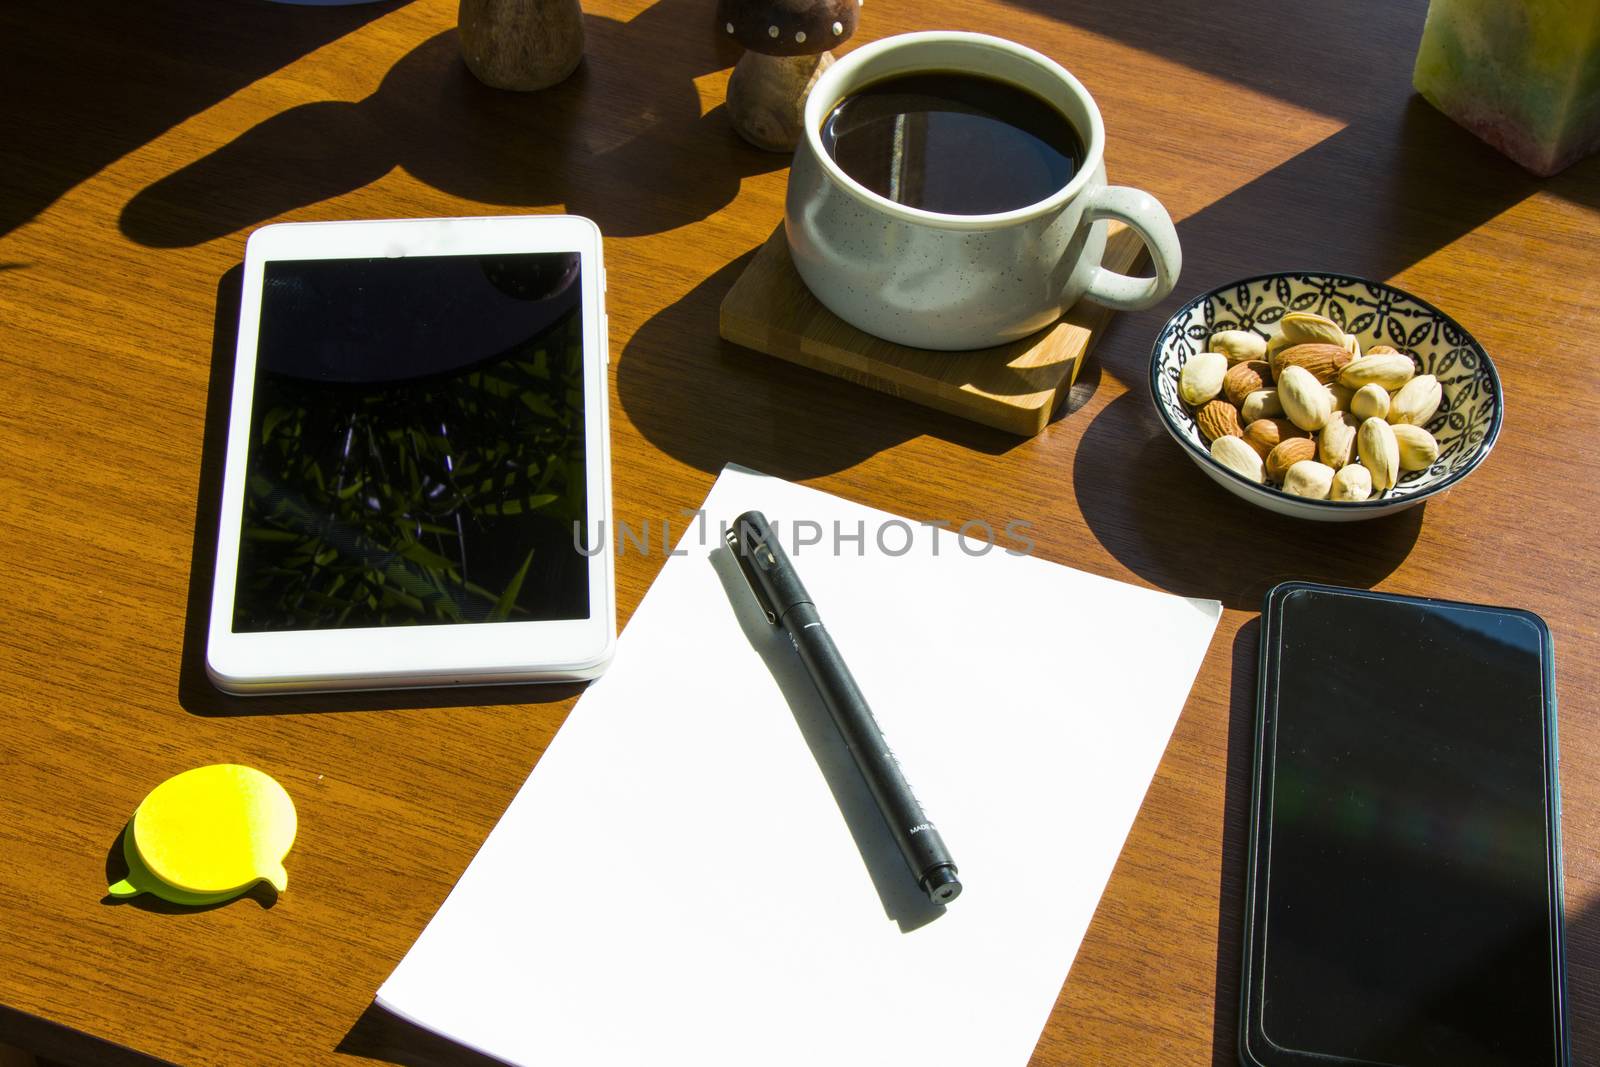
(1150, 221)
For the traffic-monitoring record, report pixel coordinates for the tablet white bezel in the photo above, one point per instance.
(435, 654)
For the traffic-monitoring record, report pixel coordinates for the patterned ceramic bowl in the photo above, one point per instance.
(1466, 424)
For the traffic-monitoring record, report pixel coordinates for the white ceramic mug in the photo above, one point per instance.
(934, 280)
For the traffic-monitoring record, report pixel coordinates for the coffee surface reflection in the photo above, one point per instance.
(958, 144)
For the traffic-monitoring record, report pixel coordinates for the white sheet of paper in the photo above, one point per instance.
(694, 872)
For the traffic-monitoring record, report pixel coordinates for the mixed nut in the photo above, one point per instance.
(1305, 410)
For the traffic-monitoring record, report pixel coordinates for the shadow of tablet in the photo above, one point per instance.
(902, 900)
(196, 693)
(379, 1034)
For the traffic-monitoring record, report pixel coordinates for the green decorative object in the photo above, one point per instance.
(1524, 75)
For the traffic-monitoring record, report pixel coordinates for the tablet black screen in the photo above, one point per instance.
(416, 444)
(1408, 915)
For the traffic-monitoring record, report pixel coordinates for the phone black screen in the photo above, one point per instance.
(1407, 898)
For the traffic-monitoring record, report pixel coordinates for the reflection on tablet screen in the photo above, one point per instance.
(416, 444)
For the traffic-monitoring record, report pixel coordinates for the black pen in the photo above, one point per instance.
(778, 590)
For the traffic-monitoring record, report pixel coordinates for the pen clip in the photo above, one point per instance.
(745, 567)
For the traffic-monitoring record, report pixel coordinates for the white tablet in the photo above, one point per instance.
(418, 482)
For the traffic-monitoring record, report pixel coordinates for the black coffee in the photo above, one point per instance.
(959, 144)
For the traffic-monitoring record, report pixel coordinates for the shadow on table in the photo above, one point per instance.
(1373, 200)
(55, 1044)
(1149, 506)
(1583, 983)
(196, 694)
(1235, 843)
(1582, 927)
(85, 107)
(380, 1034)
(620, 141)
(706, 401)
(1352, 61)
(117, 869)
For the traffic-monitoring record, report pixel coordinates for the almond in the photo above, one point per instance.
(1264, 435)
(1218, 418)
(1305, 400)
(1243, 379)
(1287, 454)
(1237, 456)
(1323, 361)
(1201, 377)
(1388, 369)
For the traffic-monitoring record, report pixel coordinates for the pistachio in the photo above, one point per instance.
(1264, 435)
(1218, 418)
(1416, 401)
(1380, 452)
(1371, 401)
(1261, 404)
(1390, 370)
(1287, 454)
(1352, 345)
(1351, 482)
(1304, 399)
(1323, 361)
(1303, 327)
(1381, 350)
(1308, 478)
(1418, 449)
(1342, 395)
(1201, 377)
(1237, 456)
(1336, 441)
(1239, 345)
(1245, 378)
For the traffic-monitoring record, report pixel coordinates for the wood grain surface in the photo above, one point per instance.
(1013, 387)
(143, 141)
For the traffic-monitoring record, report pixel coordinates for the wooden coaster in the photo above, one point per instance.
(1014, 387)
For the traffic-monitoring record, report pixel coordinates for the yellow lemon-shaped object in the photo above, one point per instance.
(216, 829)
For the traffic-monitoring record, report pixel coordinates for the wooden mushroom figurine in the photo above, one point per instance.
(786, 48)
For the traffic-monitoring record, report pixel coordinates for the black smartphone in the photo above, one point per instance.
(1403, 892)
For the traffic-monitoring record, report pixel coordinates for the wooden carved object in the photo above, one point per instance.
(521, 44)
(786, 49)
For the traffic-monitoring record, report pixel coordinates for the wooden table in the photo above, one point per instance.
(142, 142)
